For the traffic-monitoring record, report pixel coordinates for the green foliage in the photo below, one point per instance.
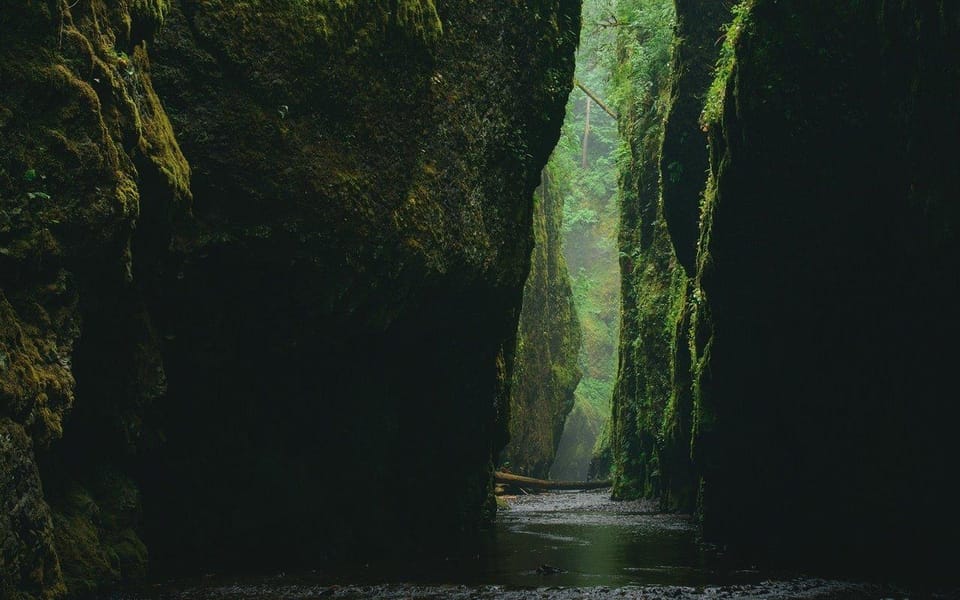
(643, 55)
(545, 371)
(588, 182)
(582, 216)
(420, 16)
(596, 393)
(624, 59)
(713, 106)
(640, 93)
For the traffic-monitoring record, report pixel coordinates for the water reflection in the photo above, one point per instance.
(594, 542)
(560, 545)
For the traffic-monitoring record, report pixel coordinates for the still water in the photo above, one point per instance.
(593, 542)
(560, 545)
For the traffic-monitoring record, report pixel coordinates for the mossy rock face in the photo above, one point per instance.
(805, 367)
(683, 153)
(29, 567)
(96, 533)
(582, 429)
(90, 175)
(653, 288)
(347, 303)
(825, 336)
(342, 303)
(663, 183)
(546, 371)
(38, 327)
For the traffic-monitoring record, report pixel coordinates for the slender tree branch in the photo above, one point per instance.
(595, 98)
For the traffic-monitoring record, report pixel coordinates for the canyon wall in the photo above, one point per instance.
(827, 270)
(651, 279)
(546, 372)
(809, 401)
(92, 182)
(273, 352)
(346, 309)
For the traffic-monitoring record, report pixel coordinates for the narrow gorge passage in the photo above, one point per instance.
(284, 284)
(566, 361)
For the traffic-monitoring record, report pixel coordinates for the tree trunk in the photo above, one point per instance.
(586, 137)
(510, 479)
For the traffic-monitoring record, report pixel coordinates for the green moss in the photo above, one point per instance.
(351, 27)
(158, 144)
(29, 567)
(349, 150)
(684, 156)
(367, 88)
(94, 530)
(651, 277)
(150, 9)
(713, 105)
(674, 320)
(546, 371)
(812, 251)
(35, 391)
(143, 20)
(88, 163)
(701, 336)
(601, 459)
(88, 565)
(420, 17)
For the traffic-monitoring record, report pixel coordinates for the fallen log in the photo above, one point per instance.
(543, 484)
(595, 98)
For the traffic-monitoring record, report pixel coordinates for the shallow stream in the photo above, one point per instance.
(558, 545)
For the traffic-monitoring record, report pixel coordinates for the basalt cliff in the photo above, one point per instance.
(261, 268)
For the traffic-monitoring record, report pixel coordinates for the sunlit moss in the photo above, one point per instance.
(713, 105)
(648, 266)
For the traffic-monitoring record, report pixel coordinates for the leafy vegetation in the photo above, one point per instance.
(652, 281)
(624, 60)
(731, 33)
(545, 372)
(585, 170)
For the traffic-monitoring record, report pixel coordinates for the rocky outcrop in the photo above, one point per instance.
(90, 175)
(28, 558)
(347, 306)
(811, 353)
(665, 294)
(575, 453)
(652, 282)
(545, 373)
(827, 271)
(683, 152)
(341, 305)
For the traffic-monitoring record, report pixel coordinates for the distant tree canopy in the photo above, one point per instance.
(622, 61)
(586, 167)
